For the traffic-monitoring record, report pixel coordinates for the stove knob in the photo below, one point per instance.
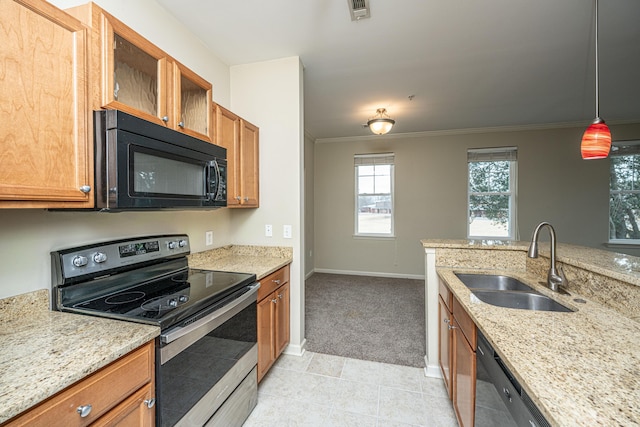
(172, 245)
(99, 257)
(172, 302)
(183, 298)
(79, 261)
(182, 243)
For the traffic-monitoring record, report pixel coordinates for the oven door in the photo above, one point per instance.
(206, 366)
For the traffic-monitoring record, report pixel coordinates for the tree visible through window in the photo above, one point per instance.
(374, 194)
(624, 193)
(491, 195)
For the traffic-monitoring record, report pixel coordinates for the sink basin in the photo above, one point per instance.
(493, 282)
(521, 300)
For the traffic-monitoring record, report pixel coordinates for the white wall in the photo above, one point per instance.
(270, 95)
(554, 184)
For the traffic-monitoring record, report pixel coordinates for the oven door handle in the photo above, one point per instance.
(174, 334)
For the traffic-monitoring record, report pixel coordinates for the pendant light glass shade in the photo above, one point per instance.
(381, 123)
(596, 140)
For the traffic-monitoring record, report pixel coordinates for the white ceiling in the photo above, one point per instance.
(469, 63)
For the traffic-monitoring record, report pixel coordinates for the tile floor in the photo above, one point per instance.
(323, 390)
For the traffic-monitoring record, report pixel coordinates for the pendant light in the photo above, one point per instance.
(596, 140)
(381, 123)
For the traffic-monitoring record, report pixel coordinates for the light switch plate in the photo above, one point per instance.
(208, 237)
(286, 232)
(268, 230)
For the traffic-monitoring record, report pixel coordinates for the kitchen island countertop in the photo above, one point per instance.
(580, 368)
(43, 352)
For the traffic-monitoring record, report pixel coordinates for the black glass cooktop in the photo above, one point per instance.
(169, 300)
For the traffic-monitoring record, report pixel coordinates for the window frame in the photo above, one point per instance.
(509, 154)
(370, 160)
(621, 149)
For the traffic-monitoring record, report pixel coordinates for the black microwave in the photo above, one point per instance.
(141, 165)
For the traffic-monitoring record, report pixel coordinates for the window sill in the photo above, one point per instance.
(373, 237)
(623, 244)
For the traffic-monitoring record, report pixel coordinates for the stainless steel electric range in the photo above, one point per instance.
(206, 354)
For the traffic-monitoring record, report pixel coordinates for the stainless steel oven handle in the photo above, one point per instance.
(176, 333)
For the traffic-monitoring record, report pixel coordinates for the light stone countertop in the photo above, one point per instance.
(42, 352)
(258, 260)
(580, 368)
(611, 264)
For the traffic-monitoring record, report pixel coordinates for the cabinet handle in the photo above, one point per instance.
(280, 296)
(181, 124)
(275, 300)
(238, 198)
(446, 320)
(246, 199)
(165, 119)
(452, 327)
(276, 281)
(85, 188)
(84, 410)
(150, 402)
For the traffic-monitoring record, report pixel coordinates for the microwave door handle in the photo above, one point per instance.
(212, 168)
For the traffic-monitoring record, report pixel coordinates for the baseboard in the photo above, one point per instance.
(369, 273)
(296, 350)
(309, 274)
(431, 370)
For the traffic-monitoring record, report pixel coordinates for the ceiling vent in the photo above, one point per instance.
(359, 9)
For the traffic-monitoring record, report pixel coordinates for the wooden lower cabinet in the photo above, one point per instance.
(122, 393)
(273, 318)
(446, 343)
(464, 402)
(457, 353)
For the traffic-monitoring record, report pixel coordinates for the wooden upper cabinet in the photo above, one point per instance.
(241, 139)
(192, 103)
(45, 148)
(249, 164)
(133, 75)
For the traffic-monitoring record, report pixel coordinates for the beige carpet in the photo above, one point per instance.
(366, 318)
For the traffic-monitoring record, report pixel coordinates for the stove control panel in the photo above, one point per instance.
(98, 258)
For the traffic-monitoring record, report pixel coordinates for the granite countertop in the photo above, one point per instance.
(258, 260)
(42, 352)
(580, 368)
(611, 264)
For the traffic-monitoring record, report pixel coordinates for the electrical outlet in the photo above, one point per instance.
(268, 230)
(286, 232)
(208, 237)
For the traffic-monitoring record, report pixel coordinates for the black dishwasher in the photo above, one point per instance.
(500, 400)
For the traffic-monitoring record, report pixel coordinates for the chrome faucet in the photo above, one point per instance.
(555, 278)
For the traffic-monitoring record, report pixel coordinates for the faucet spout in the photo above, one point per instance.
(555, 278)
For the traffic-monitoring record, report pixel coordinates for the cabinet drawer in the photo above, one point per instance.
(272, 282)
(102, 390)
(445, 293)
(467, 325)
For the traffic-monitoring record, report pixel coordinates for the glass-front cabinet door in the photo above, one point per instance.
(192, 100)
(135, 74)
(131, 74)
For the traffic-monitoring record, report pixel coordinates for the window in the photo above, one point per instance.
(374, 194)
(492, 193)
(624, 193)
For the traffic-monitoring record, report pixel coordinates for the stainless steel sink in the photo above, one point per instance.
(509, 292)
(521, 300)
(492, 281)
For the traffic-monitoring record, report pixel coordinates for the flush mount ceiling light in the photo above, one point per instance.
(381, 123)
(596, 140)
